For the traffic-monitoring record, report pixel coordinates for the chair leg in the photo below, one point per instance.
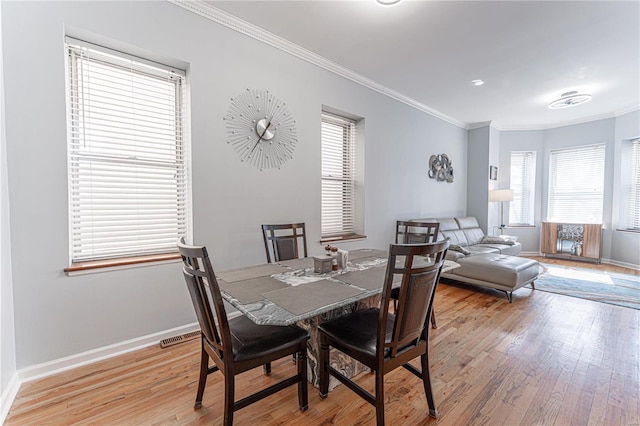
(323, 360)
(426, 381)
(204, 371)
(267, 369)
(433, 320)
(379, 398)
(303, 391)
(229, 394)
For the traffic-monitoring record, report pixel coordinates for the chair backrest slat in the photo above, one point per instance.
(414, 232)
(282, 242)
(205, 296)
(420, 271)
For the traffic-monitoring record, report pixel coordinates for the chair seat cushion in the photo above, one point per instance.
(357, 331)
(251, 340)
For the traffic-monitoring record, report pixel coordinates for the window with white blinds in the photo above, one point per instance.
(338, 175)
(631, 185)
(523, 183)
(127, 155)
(576, 185)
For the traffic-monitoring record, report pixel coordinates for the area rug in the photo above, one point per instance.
(600, 286)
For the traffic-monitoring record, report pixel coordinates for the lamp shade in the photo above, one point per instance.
(501, 195)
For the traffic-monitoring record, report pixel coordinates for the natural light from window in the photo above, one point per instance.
(576, 185)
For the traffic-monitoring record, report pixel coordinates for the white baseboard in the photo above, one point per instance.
(608, 261)
(49, 368)
(623, 264)
(73, 361)
(8, 396)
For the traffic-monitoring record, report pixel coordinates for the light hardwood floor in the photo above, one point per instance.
(545, 359)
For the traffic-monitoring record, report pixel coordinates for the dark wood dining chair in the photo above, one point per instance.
(381, 340)
(415, 232)
(282, 242)
(237, 345)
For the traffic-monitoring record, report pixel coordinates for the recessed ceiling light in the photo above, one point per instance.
(569, 99)
(388, 2)
(477, 82)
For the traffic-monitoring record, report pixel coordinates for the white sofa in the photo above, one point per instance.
(490, 262)
(466, 235)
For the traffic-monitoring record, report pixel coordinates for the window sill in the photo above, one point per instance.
(631, 231)
(342, 238)
(119, 263)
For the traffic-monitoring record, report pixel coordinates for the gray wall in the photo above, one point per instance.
(56, 315)
(7, 338)
(478, 152)
(531, 140)
(624, 246)
(617, 246)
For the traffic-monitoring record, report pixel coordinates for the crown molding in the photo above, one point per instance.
(232, 22)
(571, 122)
(508, 128)
(480, 125)
(218, 16)
(627, 110)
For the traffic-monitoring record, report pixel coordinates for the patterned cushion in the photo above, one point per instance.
(459, 249)
(496, 240)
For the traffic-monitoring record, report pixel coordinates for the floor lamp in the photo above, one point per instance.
(501, 196)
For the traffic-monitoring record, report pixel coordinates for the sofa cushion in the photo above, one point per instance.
(513, 250)
(467, 222)
(482, 249)
(456, 236)
(473, 235)
(469, 225)
(498, 271)
(448, 224)
(454, 255)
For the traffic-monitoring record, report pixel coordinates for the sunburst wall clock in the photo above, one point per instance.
(260, 129)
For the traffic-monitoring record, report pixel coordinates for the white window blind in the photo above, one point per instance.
(576, 185)
(127, 156)
(523, 183)
(631, 185)
(338, 175)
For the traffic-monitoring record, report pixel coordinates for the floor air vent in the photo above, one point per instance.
(179, 339)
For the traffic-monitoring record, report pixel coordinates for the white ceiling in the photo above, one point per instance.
(528, 53)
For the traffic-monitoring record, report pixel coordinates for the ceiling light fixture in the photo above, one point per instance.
(569, 99)
(477, 82)
(388, 2)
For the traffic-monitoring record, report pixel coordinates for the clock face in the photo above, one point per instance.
(260, 129)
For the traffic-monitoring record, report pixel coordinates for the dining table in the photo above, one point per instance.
(291, 292)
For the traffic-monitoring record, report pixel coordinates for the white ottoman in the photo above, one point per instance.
(499, 271)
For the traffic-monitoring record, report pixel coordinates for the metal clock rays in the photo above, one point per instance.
(260, 129)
